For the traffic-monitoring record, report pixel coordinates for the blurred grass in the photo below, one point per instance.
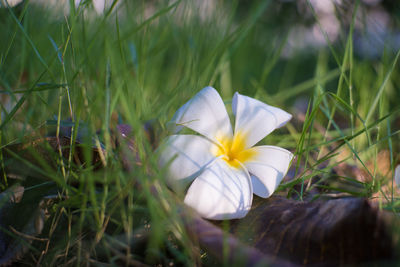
(141, 60)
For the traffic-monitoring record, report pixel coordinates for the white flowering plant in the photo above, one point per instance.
(222, 163)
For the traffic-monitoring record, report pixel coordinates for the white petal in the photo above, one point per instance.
(187, 154)
(268, 168)
(205, 113)
(255, 119)
(221, 192)
(397, 175)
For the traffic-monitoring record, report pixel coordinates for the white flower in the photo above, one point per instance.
(224, 166)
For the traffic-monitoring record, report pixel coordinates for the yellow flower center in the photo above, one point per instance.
(233, 150)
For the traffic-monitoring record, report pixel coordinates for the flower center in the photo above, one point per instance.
(233, 150)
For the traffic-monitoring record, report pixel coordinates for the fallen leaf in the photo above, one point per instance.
(21, 220)
(24, 159)
(343, 231)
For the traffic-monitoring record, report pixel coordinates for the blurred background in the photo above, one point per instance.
(134, 61)
(93, 64)
(263, 36)
(141, 60)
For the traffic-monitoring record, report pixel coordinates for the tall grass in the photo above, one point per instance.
(140, 61)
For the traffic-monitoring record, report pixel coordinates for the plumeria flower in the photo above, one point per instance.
(223, 166)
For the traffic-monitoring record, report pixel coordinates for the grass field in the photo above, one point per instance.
(80, 74)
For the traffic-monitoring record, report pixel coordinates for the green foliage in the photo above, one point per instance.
(140, 61)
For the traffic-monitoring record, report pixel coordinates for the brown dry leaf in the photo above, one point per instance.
(225, 247)
(382, 164)
(22, 158)
(343, 231)
(16, 231)
(383, 173)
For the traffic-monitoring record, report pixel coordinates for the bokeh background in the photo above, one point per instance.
(91, 65)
